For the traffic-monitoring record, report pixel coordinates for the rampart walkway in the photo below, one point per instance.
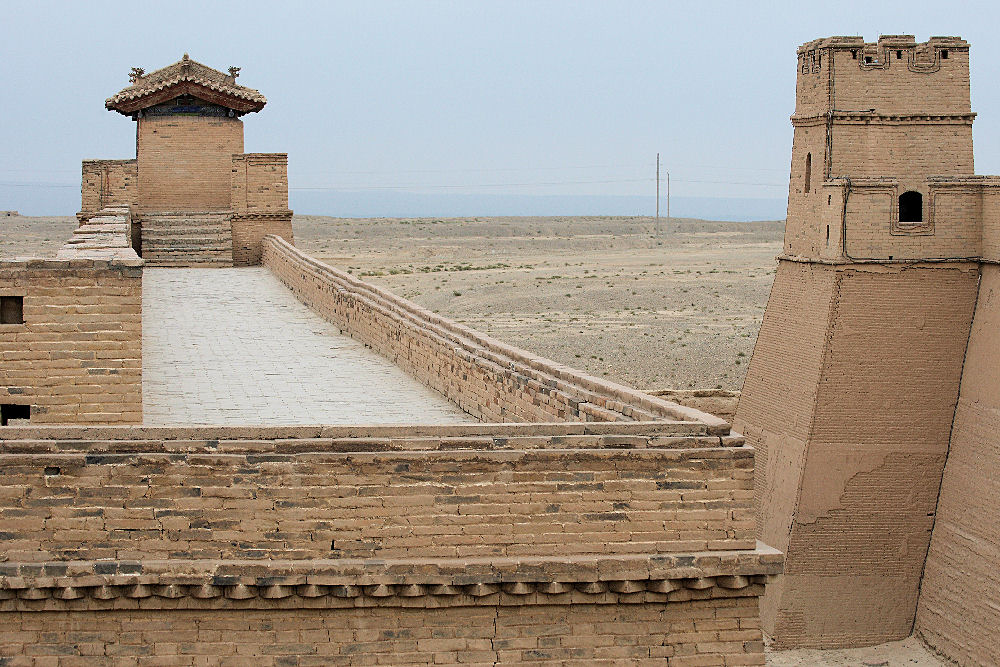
(233, 346)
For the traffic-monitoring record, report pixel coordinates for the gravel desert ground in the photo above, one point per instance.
(650, 304)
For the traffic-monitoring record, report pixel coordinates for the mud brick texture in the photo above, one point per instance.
(77, 357)
(260, 203)
(492, 381)
(108, 183)
(693, 634)
(375, 505)
(185, 163)
(958, 612)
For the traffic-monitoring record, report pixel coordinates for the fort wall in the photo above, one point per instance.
(107, 183)
(499, 629)
(260, 203)
(558, 543)
(958, 612)
(848, 487)
(71, 346)
(488, 379)
(185, 162)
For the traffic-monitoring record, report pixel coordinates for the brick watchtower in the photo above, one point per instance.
(198, 197)
(851, 393)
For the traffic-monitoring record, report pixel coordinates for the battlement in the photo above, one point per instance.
(894, 76)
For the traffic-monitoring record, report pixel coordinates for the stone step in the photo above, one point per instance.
(187, 239)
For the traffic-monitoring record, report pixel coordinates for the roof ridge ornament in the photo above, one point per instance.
(136, 74)
(234, 71)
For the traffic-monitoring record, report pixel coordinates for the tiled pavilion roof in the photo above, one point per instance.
(185, 77)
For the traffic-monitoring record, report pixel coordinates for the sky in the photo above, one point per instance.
(407, 108)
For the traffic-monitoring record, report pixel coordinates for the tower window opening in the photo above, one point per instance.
(944, 54)
(868, 60)
(899, 55)
(854, 55)
(12, 412)
(11, 310)
(911, 207)
(809, 168)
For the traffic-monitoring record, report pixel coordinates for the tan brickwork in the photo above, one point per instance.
(488, 379)
(108, 183)
(190, 169)
(260, 203)
(386, 505)
(77, 356)
(851, 393)
(958, 612)
(494, 543)
(692, 634)
(185, 162)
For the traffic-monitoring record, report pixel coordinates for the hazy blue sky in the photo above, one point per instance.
(442, 98)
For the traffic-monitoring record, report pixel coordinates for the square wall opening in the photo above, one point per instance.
(11, 310)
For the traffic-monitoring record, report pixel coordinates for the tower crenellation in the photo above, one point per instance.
(874, 123)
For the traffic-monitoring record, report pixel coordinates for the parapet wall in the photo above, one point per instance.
(260, 203)
(108, 183)
(76, 354)
(495, 544)
(490, 380)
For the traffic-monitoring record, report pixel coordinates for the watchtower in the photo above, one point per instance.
(851, 392)
(196, 196)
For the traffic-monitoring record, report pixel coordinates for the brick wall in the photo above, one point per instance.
(495, 543)
(168, 503)
(958, 613)
(849, 403)
(185, 163)
(260, 203)
(108, 183)
(692, 634)
(77, 357)
(492, 381)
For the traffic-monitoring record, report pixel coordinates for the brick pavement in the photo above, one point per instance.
(233, 346)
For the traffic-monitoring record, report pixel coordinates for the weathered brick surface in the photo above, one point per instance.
(851, 427)
(500, 544)
(108, 183)
(159, 504)
(185, 163)
(851, 394)
(958, 612)
(490, 380)
(78, 355)
(698, 633)
(260, 203)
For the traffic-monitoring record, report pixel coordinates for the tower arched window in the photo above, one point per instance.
(809, 169)
(911, 207)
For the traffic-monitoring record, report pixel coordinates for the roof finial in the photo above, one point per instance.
(186, 57)
(136, 74)
(234, 72)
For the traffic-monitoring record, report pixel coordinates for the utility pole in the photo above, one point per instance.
(658, 188)
(668, 197)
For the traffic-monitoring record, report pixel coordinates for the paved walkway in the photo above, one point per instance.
(234, 346)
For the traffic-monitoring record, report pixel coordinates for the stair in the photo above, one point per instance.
(202, 239)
